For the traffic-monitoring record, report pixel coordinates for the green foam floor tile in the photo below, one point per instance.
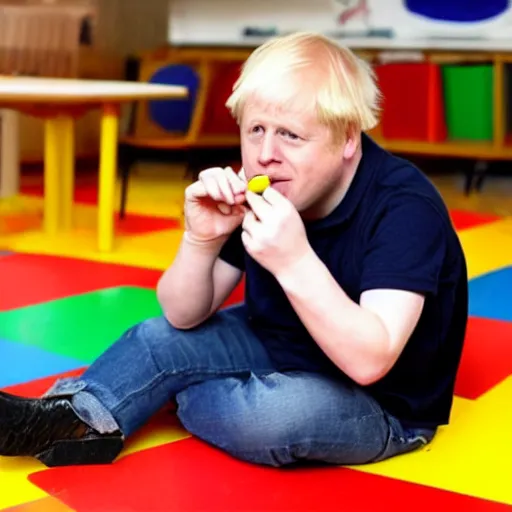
(81, 326)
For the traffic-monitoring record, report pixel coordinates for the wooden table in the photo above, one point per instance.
(60, 102)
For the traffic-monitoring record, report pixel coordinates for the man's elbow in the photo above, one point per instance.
(379, 361)
(368, 374)
(367, 378)
(179, 323)
(171, 313)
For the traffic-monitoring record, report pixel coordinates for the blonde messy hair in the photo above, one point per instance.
(338, 85)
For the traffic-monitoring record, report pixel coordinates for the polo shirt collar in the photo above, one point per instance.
(372, 155)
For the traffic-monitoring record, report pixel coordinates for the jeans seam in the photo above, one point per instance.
(165, 374)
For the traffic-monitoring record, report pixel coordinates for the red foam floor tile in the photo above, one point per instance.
(38, 387)
(188, 475)
(86, 188)
(30, 279)
(465, 219)
(19, 222)
(486, 358)
(139, 224)
(237, 295)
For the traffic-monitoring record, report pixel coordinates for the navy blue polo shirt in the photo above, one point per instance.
(391, 230)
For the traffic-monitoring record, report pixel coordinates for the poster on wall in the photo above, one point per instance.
(491, 19)
(412, 19)
(458, 11)
(352, 15)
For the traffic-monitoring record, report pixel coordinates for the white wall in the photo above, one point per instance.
(222, 21)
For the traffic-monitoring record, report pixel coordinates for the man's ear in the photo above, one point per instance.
(350, 147)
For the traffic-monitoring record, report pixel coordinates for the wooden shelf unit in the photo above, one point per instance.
(499, 148)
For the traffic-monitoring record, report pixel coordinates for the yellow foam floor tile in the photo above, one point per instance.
(153, 187)
(470, 456)
(154, 250)
(156, 435)
(156, 201)
(487, 247)
(151, 250)
(14, 484)
(49, 504)
(86, 216)
(21, 204)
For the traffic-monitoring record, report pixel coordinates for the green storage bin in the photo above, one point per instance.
(468, 97)
(508, 97)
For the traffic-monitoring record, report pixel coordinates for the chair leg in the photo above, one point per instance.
(481, 170)
(475, 176)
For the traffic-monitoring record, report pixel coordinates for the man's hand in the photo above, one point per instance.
(214, 204)
(273, 231)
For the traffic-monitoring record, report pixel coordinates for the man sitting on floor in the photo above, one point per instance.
(348, 344)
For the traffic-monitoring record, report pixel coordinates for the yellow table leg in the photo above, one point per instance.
(67, 178)
(51, 176)
(108, 170)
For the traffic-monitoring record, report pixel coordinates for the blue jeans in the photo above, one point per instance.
(230, 395)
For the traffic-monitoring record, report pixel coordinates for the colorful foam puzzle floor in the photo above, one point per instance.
(59, 309)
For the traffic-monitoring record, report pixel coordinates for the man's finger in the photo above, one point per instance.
(196, 189)
(275, 198)
(247, 241)
(249, 223)
(238, 185)
(241, 175)
(258, 205)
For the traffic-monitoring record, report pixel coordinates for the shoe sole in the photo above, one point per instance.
(79, 452)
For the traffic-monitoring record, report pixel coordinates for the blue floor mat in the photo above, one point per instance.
(490, 295)
(21, 363)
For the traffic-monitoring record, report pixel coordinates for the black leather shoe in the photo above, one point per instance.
(49, 430)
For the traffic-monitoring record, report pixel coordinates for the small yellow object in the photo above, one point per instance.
(258, 184)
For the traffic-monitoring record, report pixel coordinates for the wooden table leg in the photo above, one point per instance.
(52, 187)
(107, 179)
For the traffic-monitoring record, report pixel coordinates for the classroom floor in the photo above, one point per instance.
(62, 304)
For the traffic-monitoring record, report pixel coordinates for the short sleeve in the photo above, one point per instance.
(233, 251)
(407, 248)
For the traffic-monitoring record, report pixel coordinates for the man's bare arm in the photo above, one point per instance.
(196, 284)
(364, 340)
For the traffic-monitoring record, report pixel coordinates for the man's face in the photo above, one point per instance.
(294, 150)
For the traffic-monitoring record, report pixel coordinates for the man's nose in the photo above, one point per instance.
(268, 149)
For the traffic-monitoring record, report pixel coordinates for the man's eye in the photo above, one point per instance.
(290, 135)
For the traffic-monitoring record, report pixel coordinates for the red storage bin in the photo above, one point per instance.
(412, 104)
